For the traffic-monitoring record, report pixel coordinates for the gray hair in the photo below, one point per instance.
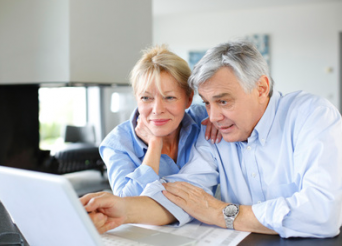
(242, 56)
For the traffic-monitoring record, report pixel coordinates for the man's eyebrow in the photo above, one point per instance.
(217, 96)
(221, 95)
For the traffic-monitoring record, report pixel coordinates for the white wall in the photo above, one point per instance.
(72, 40)
(34, 41)
(303, 41)
(106, 38)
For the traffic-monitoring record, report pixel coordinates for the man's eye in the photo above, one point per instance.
(222, 102)
(205, 103)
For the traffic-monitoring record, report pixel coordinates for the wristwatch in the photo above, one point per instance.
(229, 213)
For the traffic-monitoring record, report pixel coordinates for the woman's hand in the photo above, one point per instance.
(211, 132)
(144, 133)
(155, 144)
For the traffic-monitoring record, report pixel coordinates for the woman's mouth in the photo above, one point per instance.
(159, 122)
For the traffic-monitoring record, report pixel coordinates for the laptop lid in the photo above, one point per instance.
(46, 209)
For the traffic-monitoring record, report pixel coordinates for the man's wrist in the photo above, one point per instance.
(230, 212)
(220, 218)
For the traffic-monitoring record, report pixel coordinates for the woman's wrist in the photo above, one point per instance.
(156, 142)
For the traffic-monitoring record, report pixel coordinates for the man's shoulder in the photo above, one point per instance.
(303, 101)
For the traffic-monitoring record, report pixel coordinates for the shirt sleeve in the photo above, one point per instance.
(126, 175)
(201, 170)
(198, 113)
(314, 210)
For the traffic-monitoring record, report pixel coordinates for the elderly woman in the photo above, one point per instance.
(157, 139)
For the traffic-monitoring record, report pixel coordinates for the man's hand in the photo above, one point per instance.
(105, 210)
(196, 202)
(204, 207)
(211, 132)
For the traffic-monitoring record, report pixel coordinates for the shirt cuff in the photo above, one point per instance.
(272, 213)
(154, 191)
(143, 175)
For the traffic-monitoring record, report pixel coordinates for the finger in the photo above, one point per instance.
(205, 121)
(98, 219)
(214, 133)
(177, 190)
(218, 137)
(109, 225)
(99, 200)
(175, 199)
(208, 131)
(86, 198)
(189, 188)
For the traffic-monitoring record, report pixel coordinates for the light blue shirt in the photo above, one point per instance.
(289, 170)
(123, 152)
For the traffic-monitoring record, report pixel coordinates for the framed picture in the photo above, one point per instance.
(261, 41)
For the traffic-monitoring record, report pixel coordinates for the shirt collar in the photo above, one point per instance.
(263, 127)
(140, 147)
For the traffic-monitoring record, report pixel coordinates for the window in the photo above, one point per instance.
(59, 107)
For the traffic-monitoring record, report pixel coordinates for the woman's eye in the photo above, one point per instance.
(170, 98)
(144, 98)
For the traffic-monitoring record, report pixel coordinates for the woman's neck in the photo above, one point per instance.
(170, 144)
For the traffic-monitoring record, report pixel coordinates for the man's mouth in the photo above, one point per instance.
(226, 129)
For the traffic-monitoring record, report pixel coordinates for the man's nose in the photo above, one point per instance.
(215, 114)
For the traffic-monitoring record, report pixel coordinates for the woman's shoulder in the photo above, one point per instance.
(120, 137)
(197, 112)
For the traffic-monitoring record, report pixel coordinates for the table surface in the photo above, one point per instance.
(274, 240)
(92, 181)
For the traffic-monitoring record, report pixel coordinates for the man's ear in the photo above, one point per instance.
(263, 87)
(191, 97)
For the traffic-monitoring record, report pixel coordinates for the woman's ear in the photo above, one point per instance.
(190, 98)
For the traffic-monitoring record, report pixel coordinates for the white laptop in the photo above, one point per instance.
(47, 211)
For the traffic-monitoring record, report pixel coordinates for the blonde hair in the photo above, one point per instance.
(154, 61)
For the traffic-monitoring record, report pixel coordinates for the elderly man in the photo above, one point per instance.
(279, 167)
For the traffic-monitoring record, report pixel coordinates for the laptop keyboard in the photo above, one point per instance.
(111, 240)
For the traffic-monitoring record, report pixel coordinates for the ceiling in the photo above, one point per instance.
(164, 7)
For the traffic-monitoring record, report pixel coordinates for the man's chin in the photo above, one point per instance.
(230, 138)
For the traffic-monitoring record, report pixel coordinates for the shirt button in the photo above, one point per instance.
(249, 147)
(253, 175)
(259, 202)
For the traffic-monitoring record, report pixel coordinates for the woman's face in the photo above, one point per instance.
(163, 114)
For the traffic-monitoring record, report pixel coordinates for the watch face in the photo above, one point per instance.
(231, 210)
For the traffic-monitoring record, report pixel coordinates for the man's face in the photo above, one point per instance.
(233, 111)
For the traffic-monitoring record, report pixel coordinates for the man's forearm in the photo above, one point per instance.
(246, 221)
(145, 210)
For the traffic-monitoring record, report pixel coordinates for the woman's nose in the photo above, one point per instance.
(158, 106)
